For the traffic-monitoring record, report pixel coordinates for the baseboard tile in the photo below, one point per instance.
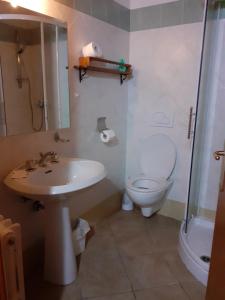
(173, 209)
(104, 209)
(176, 210)
(207, 214)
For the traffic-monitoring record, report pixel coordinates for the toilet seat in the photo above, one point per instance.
(158, 156)
(147, 184)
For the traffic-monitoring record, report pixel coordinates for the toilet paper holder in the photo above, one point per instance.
(101, 124)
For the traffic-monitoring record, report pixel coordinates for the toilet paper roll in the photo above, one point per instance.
(92, 49)
(107, 136)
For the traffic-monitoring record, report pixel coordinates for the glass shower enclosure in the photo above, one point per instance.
(209, 135)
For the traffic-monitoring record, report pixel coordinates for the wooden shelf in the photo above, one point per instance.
(85, 65)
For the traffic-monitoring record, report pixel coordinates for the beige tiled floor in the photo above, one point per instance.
(128, 258)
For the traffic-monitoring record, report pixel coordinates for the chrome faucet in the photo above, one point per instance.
(45, 157)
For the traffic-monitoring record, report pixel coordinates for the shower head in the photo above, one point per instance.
(20, 49)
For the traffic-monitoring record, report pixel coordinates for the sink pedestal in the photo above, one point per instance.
(60, 261)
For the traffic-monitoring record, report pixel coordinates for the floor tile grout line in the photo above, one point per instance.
(124, 267)
(109, 230)
(122, 262)
(157, 286)
(134, 295)
(126, 273)
(171, 271)
(120, 257)
(184, 290)
(115, 294)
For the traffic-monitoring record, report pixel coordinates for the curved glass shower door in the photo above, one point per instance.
(209, 131)
(196, 234)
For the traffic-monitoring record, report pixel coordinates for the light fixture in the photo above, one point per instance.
(14, 3)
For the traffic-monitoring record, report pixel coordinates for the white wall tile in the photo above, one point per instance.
(166, 64)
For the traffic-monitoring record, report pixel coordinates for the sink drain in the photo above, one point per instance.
(205, 258)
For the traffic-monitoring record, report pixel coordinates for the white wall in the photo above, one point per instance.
(166, 66)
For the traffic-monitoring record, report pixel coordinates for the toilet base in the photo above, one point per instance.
(149, 211)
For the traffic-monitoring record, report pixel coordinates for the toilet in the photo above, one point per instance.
(157, 161)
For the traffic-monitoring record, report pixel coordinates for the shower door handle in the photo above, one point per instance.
(190, 131)
(217, 154)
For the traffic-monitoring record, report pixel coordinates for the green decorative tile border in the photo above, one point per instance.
(106, 10)
(167, 14)
(163, 15)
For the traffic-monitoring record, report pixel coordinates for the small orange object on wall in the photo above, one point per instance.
(84, 62)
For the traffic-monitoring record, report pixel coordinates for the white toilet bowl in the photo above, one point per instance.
(148, 193)
(157, 161)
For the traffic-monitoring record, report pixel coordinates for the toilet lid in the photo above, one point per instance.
(158, 156)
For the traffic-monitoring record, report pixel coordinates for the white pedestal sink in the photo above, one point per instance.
(51, 184)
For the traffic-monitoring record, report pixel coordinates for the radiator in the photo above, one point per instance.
(11, 261)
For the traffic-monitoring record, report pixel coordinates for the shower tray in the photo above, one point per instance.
(195, 247)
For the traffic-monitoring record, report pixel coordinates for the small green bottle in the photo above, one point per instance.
(122, 68)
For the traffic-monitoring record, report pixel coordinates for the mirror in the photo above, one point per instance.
(34, 89)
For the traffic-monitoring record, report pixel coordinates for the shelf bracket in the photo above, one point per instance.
(82, 73)
(122, 78)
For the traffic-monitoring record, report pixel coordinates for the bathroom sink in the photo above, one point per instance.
(66, 176)
(49, 183)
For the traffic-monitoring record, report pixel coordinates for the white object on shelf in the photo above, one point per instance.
(92, 49)
(79, 236)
